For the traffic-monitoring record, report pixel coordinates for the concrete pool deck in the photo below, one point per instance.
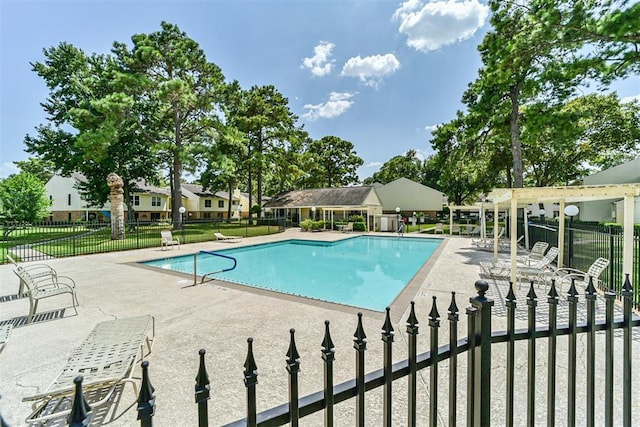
(219, 318)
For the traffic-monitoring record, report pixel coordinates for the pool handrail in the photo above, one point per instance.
(195, 265)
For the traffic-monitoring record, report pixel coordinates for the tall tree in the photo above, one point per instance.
(334, 162)
(181, 94)
(405, 166)
(38, 167)
(92, 123)
(523, 61)
(263, 114)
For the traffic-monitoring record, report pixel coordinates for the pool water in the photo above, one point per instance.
(365, 271)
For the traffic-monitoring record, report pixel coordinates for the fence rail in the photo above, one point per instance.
(479, 344)
(46, 240)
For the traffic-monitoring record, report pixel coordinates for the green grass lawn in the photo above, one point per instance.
(61, 241)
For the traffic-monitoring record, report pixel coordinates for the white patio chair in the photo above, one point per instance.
(536, 254)
(563, 276)
(168, 240)
(105, 359)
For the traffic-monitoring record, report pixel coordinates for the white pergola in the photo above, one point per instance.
(514, 198)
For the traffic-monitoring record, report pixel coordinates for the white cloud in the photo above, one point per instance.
(371, 69)
(628, 99)
(8, 168)
(431, 128)
(338, 103)
(320, 64)
(373, 165)
(439, 23)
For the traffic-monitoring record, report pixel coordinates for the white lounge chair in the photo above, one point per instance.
(35, 271)
(538, 272)
(439, 228)
(563, 276)
(168, 240)
(347, 228)
(536, 254)
(42, 287)
(228, 239)
(105, 359)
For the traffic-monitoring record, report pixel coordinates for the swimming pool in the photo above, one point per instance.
(365, 271)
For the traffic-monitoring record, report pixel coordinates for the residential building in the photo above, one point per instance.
(611, 210)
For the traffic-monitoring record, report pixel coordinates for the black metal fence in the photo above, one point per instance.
(585, 242)
(45, 240)
(479, 344)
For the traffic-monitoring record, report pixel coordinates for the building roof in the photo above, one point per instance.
(331, 197)
(200, 192)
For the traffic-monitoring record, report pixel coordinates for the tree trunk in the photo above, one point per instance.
(230, 187)
(176, 191)
(516, 147)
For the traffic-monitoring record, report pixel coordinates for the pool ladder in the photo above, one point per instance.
(195, 266)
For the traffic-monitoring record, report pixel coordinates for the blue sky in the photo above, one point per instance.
(380, 74)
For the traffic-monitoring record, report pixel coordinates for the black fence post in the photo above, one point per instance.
(627, 295)
(293, 367)
(328, 354)
(610, 298)
(434, 324)
(412, 332)
(532, 303)
(146, 398)
(482, 373)
(202, 391)
(453, 359)
(81, 414)
(572, 300)
(510, 304)
(250, 381)
(387, 338)
(552, 301)
(472, 313)
(360, 344)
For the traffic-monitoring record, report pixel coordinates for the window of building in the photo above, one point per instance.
(207, 215)
(155, 201)
(207, 203)
(220, 215)
(221, 203)
(134, 200)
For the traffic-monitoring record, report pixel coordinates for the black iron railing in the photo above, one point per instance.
(585, 242)
(478, 344)
(39, 241)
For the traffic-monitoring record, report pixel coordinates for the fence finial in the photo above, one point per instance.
(591, 289)
(360, 336)
(412, 320)
(482, 286)
(202, 380)
(511, 296)
(531, 295)
(433, 314)
(146, 398)
(80, 415)
(327, 343)
(387, 328)
(553, 293)
(250, 367)
(572, 289)
(292, 354)
(453, 307)
(627, 289)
